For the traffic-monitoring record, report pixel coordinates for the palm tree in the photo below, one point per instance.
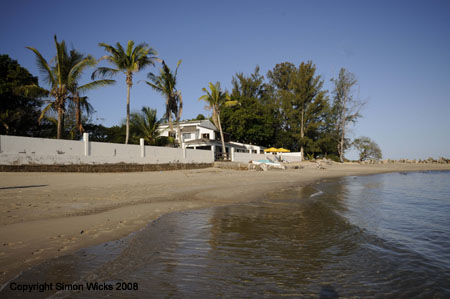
(54, 76)
(128, 61)
(165, 83)
(216, 99)
(80, 63)
(145, 125)
(63, 78)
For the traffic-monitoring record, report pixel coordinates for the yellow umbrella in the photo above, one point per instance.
(271, 150)
(283, 150)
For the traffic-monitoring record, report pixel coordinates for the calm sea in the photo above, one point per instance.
(385, 236)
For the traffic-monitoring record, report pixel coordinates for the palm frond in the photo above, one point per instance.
(108, 48)
(45, 111)
(76, 71)
(176, 68)
(130, 48)
(61, 53)
(155, 87)
(86, 106)
(95, 84)
(43, 67)
(104, 72)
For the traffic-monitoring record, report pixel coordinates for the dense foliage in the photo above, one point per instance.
(19, 110)
(290, 110)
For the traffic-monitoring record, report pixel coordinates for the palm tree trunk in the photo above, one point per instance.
(60, 128)
(224, 150)
(78, 113)
(169, 115)
(180, 140)
(128, 113)
(180, 110)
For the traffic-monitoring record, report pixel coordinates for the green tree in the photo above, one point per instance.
(19, 110)
(346, 108)
(80, 63)
(252, 121)
(144, 125)
(165, 83)
(216, 99)
(56, 77)
(280, 79)
(200, 117)
(128, 61)
(367, 148)
(305, 108)
(63, 78)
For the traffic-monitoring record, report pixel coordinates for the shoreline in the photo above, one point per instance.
(46, 215)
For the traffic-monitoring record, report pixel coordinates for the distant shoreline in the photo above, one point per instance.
(44, 215)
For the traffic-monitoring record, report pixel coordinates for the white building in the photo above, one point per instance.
(202, 134)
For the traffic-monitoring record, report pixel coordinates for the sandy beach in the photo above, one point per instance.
(45, 215)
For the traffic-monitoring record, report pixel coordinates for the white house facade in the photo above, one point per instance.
(202, 134)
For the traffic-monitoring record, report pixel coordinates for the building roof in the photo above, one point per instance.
(200, 123)
(189, 129)
(207, 142)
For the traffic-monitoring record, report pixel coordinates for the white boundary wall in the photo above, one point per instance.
(247, 157)
(292, 157)
(15, 150)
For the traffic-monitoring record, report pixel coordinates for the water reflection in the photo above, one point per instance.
(300, 238)
(340, 238)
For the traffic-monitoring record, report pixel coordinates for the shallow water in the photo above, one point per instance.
(373, 236)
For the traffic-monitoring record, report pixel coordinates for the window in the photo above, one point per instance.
(205, 136)
(186, 136)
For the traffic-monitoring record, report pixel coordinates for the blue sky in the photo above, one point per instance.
(398, 50)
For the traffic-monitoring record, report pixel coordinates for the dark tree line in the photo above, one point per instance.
(291, 109)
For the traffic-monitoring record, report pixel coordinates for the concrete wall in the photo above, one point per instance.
(291, 157)
(246, 157)
(199, 156)
(39, 146)
(16, 150)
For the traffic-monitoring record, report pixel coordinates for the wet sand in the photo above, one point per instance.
(45, 215)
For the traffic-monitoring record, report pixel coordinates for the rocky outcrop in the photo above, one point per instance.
(430, 160)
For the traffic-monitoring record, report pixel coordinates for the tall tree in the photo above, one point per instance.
(346, 107)
(19, 110)
(80, 63)
(280, 79)
(63, 77)
(128, 61)
(216, 99)
(305, 108)
(253, 121)
(56, 76)
(165, 83)
(145, 125)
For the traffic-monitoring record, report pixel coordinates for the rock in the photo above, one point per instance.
(263, 167)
